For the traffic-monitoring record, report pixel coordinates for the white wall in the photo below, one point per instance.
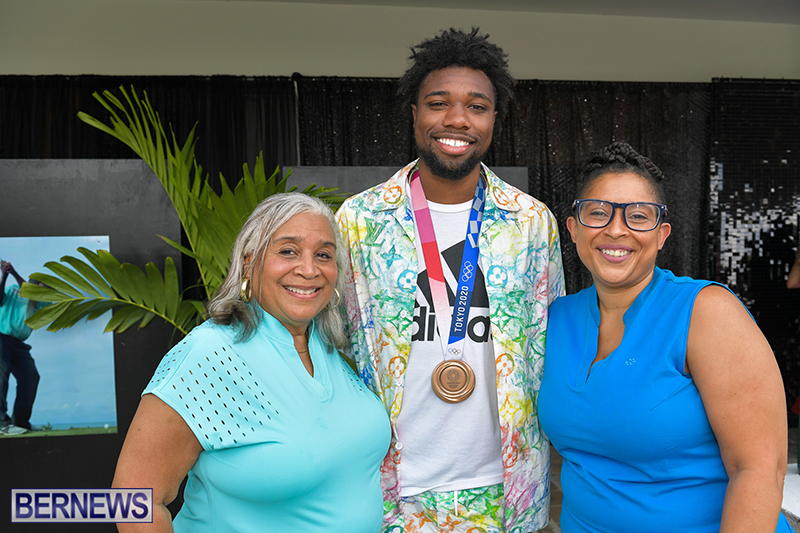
(180, 37)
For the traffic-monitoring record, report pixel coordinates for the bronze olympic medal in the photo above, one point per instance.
(453, 380)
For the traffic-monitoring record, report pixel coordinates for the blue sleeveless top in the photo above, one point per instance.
(639, 453)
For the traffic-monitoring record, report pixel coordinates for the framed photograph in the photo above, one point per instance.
(48, 208)
(74, 367)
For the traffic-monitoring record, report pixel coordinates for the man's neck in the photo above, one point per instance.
(448, 191)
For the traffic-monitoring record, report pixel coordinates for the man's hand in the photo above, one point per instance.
(7, 268)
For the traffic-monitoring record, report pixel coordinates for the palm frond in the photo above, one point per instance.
(82, 290)
(89, 288)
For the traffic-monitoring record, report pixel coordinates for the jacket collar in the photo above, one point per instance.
(500, 195)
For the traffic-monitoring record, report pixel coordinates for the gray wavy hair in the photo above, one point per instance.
(227, 307)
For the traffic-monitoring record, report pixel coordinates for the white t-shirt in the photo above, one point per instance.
(449, 446)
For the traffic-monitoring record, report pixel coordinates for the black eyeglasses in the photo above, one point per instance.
(639, 216)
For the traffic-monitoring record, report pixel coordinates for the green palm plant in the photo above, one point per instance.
(88, 287)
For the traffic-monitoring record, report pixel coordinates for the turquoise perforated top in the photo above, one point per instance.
(283, 451)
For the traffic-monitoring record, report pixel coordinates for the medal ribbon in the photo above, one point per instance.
(457, 324)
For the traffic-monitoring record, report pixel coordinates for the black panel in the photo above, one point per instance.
(121, 199)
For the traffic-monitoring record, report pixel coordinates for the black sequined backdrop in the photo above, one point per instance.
(754, 206)
(729, 150)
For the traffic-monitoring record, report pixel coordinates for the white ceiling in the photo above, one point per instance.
(774, 11)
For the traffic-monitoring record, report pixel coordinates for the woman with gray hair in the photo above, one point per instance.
(272, 426)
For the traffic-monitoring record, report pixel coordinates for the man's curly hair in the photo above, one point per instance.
(456, 48)
(620, 157)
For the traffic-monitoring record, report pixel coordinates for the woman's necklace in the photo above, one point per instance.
(305, 336)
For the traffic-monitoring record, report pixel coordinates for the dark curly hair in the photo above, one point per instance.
(620, 157)
(456, 48)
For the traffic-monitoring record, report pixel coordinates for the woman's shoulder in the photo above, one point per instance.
(676, 282)
(702, 303)
(208, 331)
(204, 341)
(571, 301)
(716, 301)
(194, 375)
(667, 289)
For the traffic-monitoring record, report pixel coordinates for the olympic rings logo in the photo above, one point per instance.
(469, 268)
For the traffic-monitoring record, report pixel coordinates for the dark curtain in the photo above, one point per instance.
(755, 203)
(352, 122)
(551, 128)
(237, 118)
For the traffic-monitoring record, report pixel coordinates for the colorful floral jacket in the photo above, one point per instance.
(521, 257)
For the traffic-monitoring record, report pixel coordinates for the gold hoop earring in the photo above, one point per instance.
(331, 305)
(246, 292)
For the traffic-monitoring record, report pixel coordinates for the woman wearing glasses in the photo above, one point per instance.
(660, 392)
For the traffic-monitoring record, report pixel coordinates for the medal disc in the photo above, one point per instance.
(453, 380)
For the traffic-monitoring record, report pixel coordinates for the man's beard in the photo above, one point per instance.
(441, 169)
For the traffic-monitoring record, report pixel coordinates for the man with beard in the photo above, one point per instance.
(452, 273)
